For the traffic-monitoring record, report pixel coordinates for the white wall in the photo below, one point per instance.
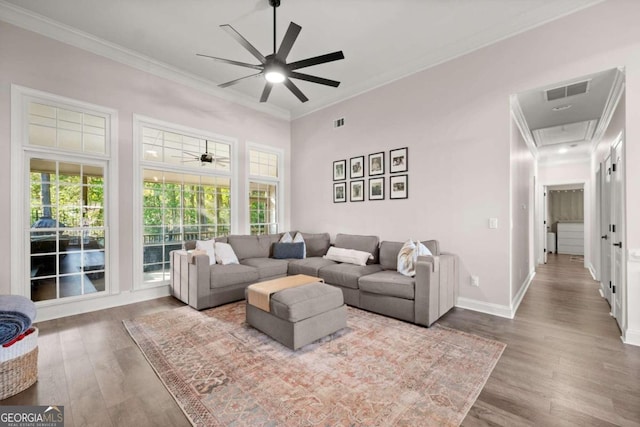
(37, 62)
(522, 212)
(455, 120)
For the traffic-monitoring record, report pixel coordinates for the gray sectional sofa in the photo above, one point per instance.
(376, 287)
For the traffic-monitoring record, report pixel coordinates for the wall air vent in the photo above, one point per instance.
(569, 90)
(338, 123)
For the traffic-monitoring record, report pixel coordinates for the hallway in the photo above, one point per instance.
(564, 363)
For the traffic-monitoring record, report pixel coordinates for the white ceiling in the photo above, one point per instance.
(571, 128)
(382, 40)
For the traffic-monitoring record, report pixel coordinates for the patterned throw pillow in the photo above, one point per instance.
(408, 256)
(286, 238)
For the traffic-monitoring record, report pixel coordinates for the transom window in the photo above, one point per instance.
(185, 150)
(66, 129)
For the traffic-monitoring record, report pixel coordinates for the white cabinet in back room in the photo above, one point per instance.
(571, 238)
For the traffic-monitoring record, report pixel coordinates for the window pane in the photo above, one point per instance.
(42, 136)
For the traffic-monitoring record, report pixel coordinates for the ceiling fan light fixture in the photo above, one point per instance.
(274, 76)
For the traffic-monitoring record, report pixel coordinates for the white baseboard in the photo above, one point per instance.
(631, 337)
(498, 309)
(601, 293)
(101, 303)
(592, 270)
(517, 299)
(484, 307)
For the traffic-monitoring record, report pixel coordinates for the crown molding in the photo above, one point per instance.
(617, 89)
(39, 24)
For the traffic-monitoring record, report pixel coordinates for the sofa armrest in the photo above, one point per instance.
(435, 288)
(190, 277)
(199, 281)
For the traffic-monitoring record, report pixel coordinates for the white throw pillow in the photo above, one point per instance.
(208, 247)
(225, 254)
(286, 238)
(350, 256)
(408, 256)
(300, 239)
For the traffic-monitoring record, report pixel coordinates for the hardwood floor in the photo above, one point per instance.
(564, 363)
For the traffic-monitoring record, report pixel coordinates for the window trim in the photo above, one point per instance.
(279, 182)
(139, 121)
(21, 152)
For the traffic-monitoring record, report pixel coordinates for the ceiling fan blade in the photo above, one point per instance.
(313, 79)
(232, 82)
(236, 35)
(293, 88)
(288, 41)
(229, 61)
(329, 57)
(266, 92)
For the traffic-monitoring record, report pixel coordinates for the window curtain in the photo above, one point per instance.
(566, 206)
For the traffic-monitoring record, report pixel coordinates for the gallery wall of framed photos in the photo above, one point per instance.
(363, 178)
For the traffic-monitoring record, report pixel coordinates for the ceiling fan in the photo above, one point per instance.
(274, 67)
(203, 158)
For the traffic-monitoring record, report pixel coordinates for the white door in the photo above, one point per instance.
(617, 233)
(605, 222)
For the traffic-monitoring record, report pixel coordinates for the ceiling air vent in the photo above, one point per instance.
(569, 90)
(338, 123)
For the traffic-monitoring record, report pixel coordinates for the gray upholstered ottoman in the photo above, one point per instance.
(298, 316)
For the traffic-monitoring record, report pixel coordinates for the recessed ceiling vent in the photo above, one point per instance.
(566, 91)
(338, 123)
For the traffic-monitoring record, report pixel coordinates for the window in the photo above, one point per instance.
(185, 194)
(61, 183)
(179, 207)
(264, 186)
(67, 229)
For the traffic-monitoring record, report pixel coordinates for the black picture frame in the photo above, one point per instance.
(376, 164)
(340, 170)
(399, 187)
(399, 160)
(356, 191)
(356, 167)
(340, 192)
(376, 188)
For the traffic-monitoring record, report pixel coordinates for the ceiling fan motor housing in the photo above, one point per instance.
(274, 3)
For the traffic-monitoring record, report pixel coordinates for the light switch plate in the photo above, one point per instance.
(493, 222)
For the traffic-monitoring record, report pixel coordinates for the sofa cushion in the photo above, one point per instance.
(308, 266)
(268, 267)
(302, 302)
(359, 243)
(389, 252)
(232, 274)
(316, 244)
(288, 250)
(253, 246)
(346, 275)
(390, 283)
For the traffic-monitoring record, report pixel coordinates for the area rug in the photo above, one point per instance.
(377, 371)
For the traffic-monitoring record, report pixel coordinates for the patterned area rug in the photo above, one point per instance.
(376, 372)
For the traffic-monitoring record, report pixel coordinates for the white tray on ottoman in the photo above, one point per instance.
(300, 315)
